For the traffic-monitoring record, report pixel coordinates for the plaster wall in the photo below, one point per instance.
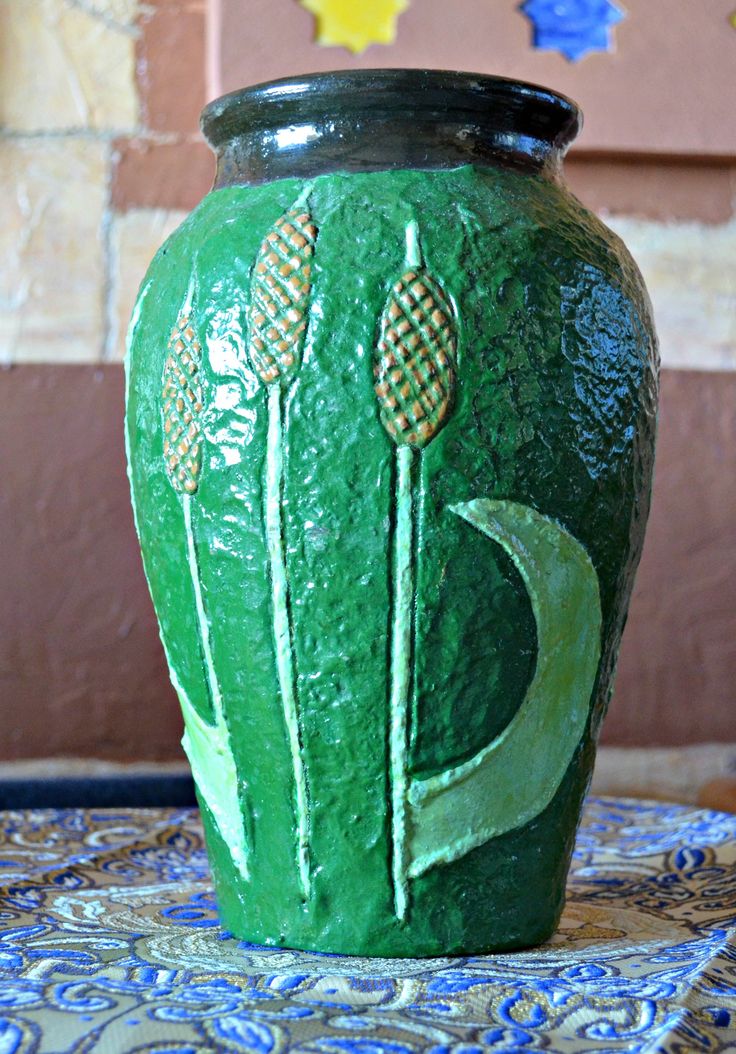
(99, 160)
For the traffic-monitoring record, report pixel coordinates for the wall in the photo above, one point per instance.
(100, 159)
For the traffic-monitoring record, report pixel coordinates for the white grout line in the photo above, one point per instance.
(110, 268)
(213, 37)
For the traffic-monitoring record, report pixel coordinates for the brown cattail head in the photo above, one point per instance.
(280, 291)
(182, 407)
(414, 366)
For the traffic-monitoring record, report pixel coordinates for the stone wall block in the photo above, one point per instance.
(135, 238)
(67, 66)
(690, 273)
(52, 265)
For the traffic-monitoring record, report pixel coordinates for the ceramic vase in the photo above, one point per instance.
(391, 403)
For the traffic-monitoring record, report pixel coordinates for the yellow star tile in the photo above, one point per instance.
(354, 24)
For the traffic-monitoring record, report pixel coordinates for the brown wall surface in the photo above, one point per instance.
(675, 681)
(82, 670)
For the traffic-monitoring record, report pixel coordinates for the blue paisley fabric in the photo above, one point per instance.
(110, 943)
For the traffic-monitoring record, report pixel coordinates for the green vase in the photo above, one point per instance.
(391, 410)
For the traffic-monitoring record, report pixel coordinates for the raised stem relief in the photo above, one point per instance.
(280, 291)
(207, 746)
(282, 629)
(414, 374)
(402, 632)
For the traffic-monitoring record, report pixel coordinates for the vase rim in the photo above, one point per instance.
(520, 107)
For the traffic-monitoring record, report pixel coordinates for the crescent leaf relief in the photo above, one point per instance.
(498, 790)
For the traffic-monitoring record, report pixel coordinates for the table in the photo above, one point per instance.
(110, 942)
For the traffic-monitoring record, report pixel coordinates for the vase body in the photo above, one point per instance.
(390, 428)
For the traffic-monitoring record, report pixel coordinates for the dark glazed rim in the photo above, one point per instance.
(375, 120)
(516, 107)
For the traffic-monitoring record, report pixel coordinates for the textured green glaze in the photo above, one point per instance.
(553, 409)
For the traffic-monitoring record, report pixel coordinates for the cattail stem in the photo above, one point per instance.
(213, 684)
(283, 633)
(413, 248)
(303, 200)
(402, 642)
(401, 664)
(206, 745)
(278, 317)
(414, 370)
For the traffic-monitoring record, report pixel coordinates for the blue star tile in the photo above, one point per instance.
(573, 27)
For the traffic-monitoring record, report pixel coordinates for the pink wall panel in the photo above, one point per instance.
(667, 89)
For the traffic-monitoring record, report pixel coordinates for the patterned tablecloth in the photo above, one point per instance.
(110, 943)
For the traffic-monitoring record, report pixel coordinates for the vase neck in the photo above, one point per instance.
(370, 120)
